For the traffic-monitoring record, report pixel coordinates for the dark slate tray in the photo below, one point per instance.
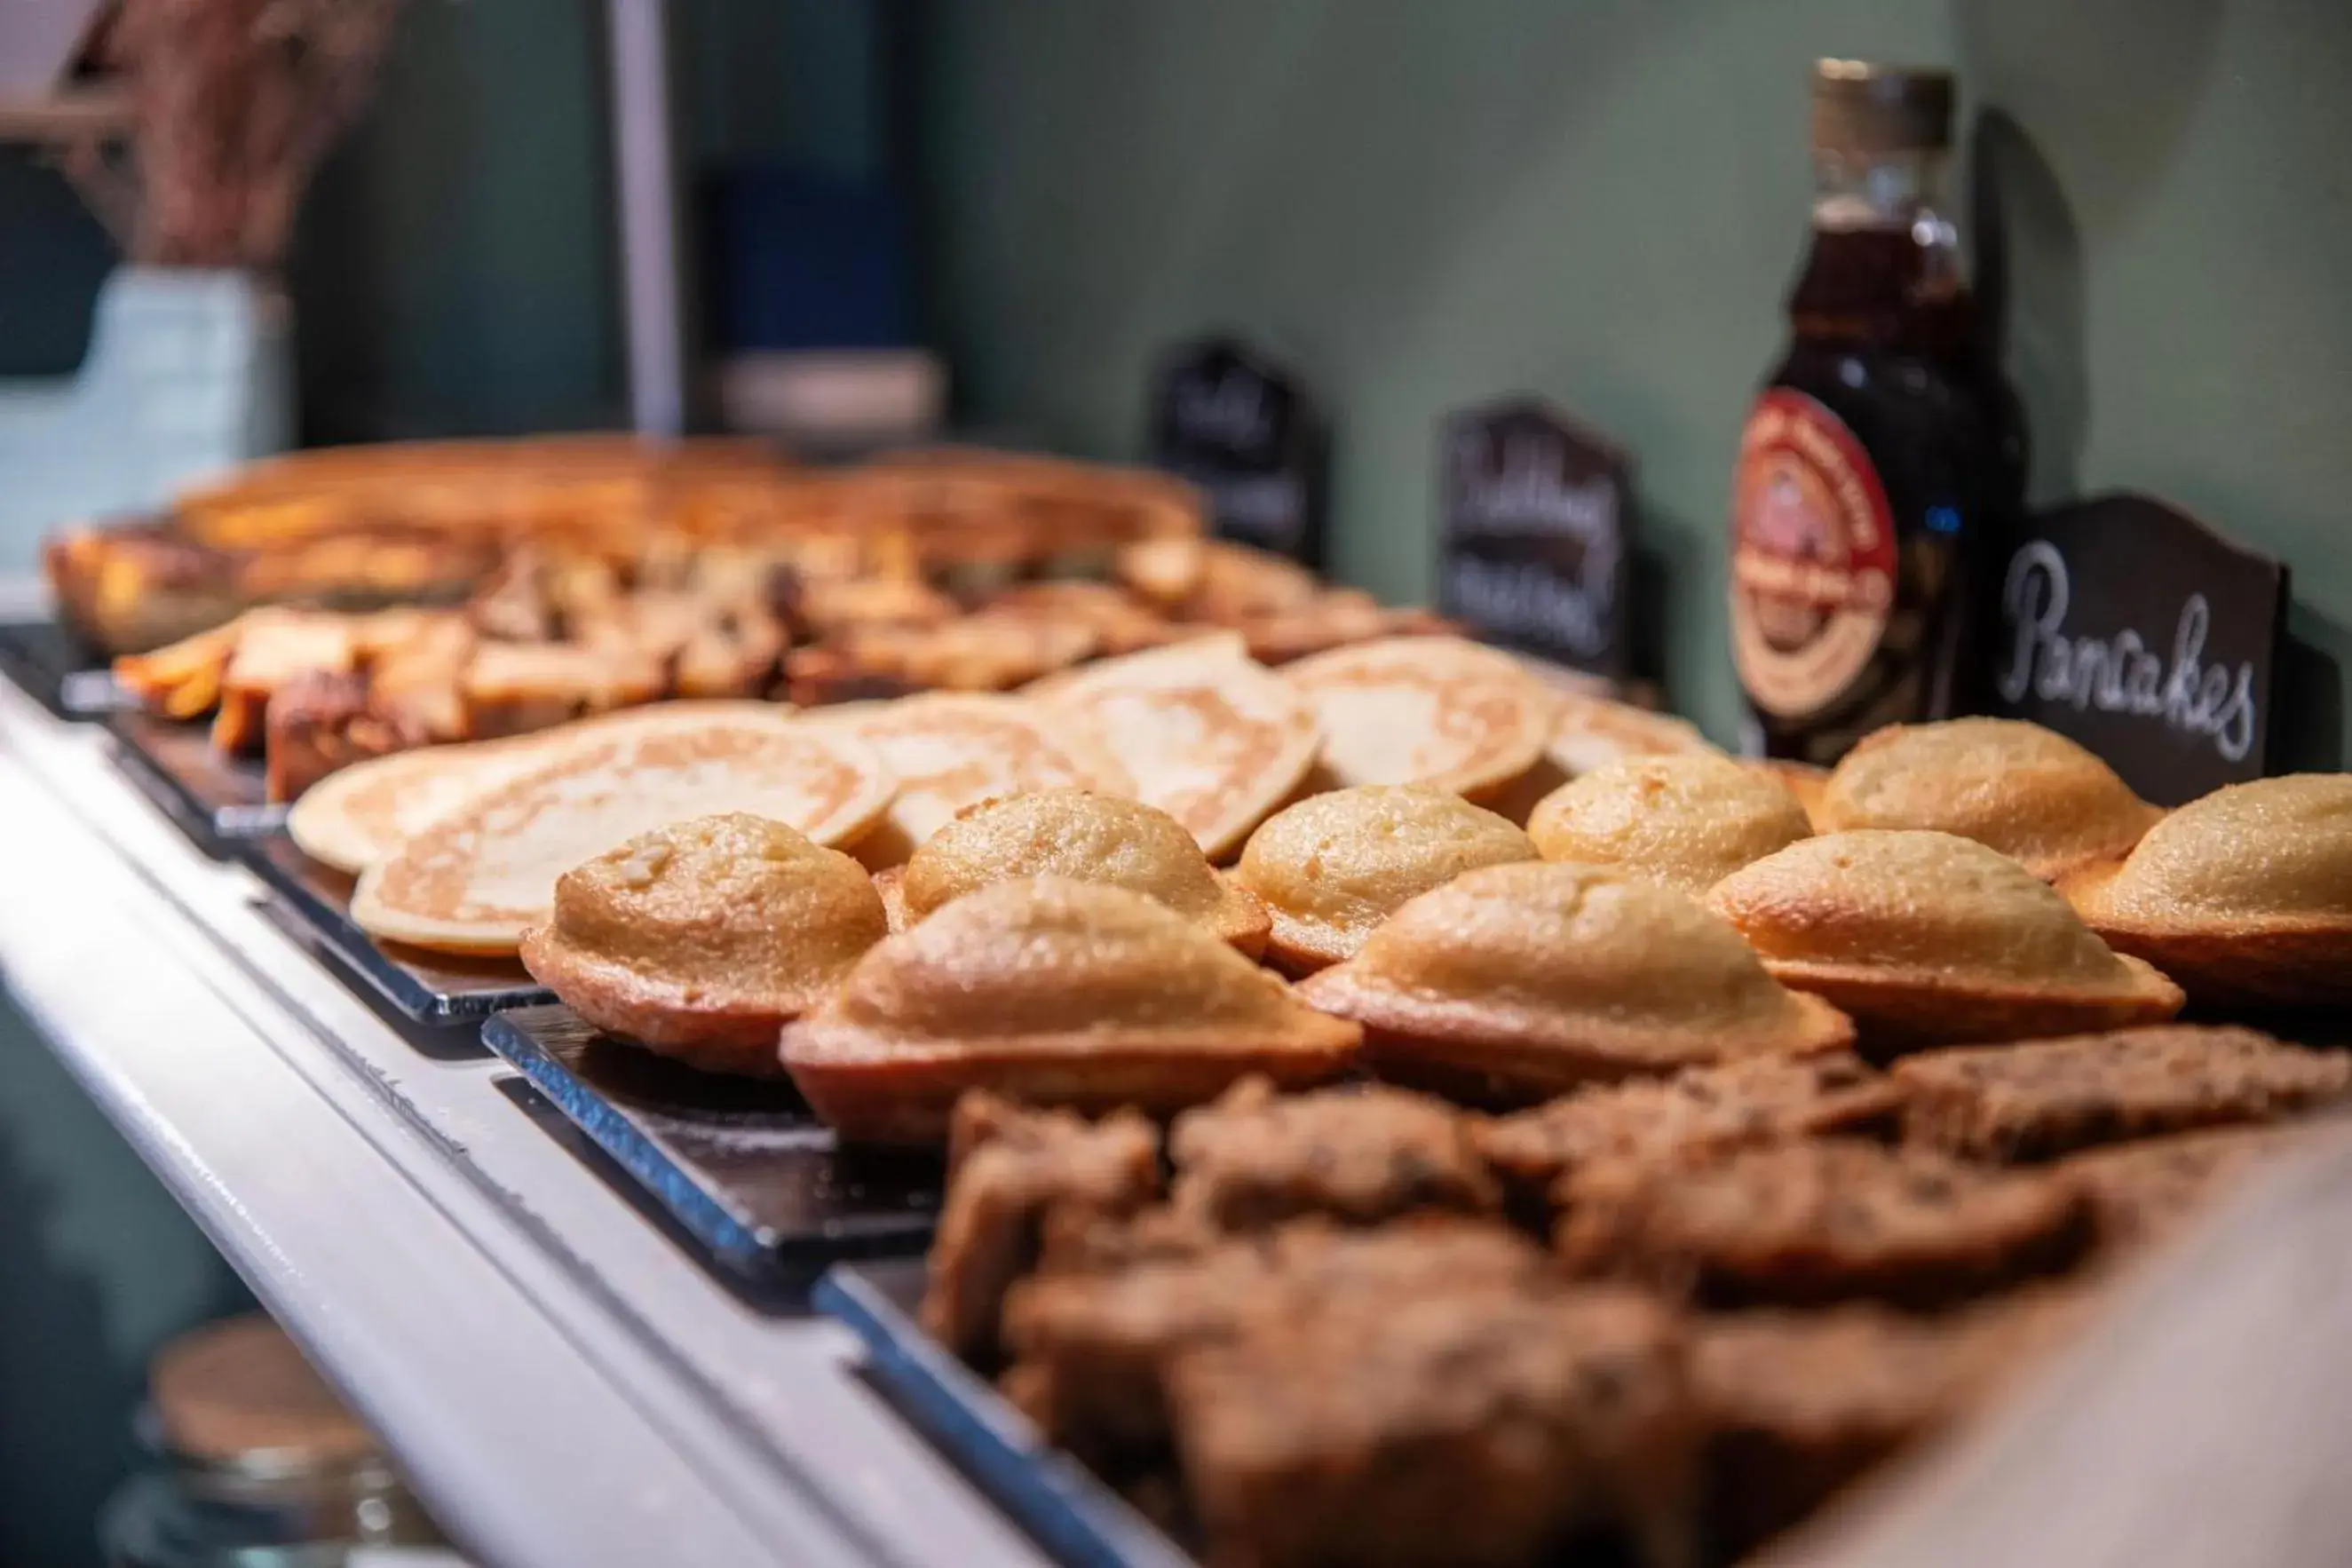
(64, 674)
(429, 987)
(1073, 1515)
(743, 1164)
(214, 799)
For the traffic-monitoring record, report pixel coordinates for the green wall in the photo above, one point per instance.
(1427, 203)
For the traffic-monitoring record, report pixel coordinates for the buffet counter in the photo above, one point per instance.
(563, 1384)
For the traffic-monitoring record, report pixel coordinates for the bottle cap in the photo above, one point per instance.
(1862, 108)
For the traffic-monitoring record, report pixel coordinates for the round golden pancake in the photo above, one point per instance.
(364, 814)
(1514, 983)
(702, 939)
(952, 751)
(1086, 837)
(476, 878)
(1332, 868)
(1054, 992)
(1208, 736)
(1686, 821)
(1928, 938)
(2244, 896)
(1432, 709)
(2028, 792)
(1593, 732)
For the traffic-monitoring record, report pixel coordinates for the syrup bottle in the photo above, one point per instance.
(1883, 460)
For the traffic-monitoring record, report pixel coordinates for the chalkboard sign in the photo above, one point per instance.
(1241, 428)
(1536, 533)
(2146, 636)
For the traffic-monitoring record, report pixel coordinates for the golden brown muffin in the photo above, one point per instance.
(1056, 992)
(1512, 983)
(1334, 866)
(1088, 837)
(2028, 792)
(1929, 939)
(1432, 710)
(2244, 897)
(1687, 821)
(700, 940)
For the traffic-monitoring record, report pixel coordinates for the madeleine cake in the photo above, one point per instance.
(1057, 993)
(1512, 983)
(1086, 836)
(2244, 896)
(700, 940)
(477, 877)
(1591, 731)
(1434, 710)
(1333, 867)
(2028, 792)
(1687, 821)
(1929, 939)
(1208, 736)
(952, 751)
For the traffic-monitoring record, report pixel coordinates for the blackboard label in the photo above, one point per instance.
(1536, 533)
(1241, 428)
(2146, 636)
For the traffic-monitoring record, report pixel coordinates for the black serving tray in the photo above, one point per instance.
(215, 799)
(64, 674)
(1072, 1514)
(743, 1164)
(429, 987)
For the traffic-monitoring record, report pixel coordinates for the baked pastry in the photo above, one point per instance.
(1056, 992)
(1759, 1099)
(1439, 1433)
(1686, 821)
(1833, 1219)
(950, 752)
(1211, 739)
(2244, 897)
(2047, 1098)
(2143, 1192)
(477, 877)
(1802, 780)
(1084, 835)
(1011, 1170)
(1591, 731)
(1517, 982)
(1432, 710)
(700, 940)
(1926, 939)
(2028, 792)
(1256, 1158)
(1090, 1347)
(1333, 867)
(1798, 1404)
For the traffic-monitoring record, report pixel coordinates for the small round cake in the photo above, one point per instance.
(1686, 821)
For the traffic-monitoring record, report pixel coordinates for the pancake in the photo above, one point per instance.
(2028, 792)
(1209, 737)
(1056, 992)
(361, 814)
(1512, 983)
(1931, 939)
(1686, 821)
(1435, 711)
(949, 752)
(1086, 837)
(701, 940)
(1592, 731)
(476, 878)
(1332, 868)
(2244, 896)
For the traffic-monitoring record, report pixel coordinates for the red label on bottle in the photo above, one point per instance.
(1812, 556)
